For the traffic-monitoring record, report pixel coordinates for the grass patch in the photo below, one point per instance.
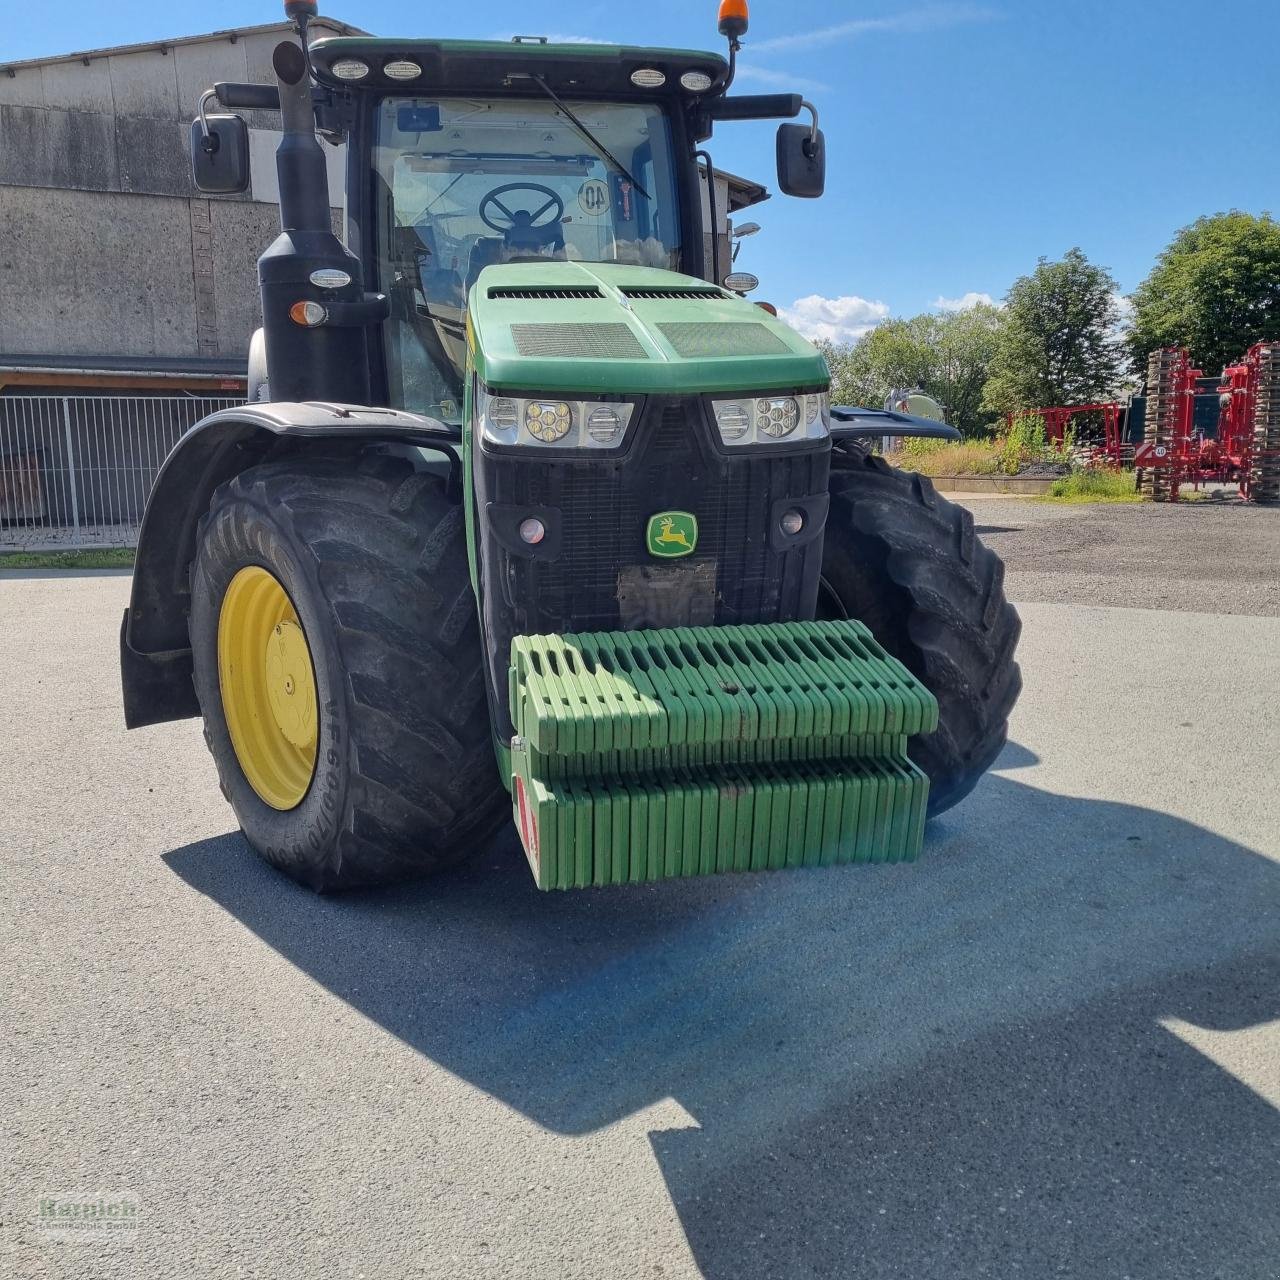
(1095, 485)
(943, 458)
(106, 558)
(1021, 448)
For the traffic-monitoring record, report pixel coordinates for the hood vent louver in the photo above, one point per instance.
(583, 293)
(666, 293)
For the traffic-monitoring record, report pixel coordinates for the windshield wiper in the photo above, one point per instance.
(590, 137)
(432, 203)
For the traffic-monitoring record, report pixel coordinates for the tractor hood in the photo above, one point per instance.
(572, 327)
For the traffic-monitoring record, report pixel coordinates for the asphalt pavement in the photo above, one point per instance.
(1049, 1048)
(1215, 556)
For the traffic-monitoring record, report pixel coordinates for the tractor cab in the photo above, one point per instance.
(468, 155)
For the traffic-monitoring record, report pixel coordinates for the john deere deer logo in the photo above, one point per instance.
(671, 534)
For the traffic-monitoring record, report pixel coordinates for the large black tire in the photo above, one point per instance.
(907, 562)
(373, 557)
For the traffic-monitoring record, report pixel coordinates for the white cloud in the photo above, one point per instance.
(837, 320)
(934, 17)
(783, 80)
(964, 303)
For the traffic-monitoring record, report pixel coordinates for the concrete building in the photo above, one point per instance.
(114, 272)
(127, 298)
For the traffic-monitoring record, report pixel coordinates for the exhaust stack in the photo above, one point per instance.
(314, 307)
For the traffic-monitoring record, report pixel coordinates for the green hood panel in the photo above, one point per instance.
(600, 328)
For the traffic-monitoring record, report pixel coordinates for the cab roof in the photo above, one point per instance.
(470, 65)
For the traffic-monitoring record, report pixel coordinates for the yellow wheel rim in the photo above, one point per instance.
(268, 688)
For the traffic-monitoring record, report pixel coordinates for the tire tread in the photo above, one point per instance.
(910, 563)
(386, 546)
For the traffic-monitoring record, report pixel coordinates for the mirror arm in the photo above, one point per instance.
(204, 119)
(756, 106)
(813, 133)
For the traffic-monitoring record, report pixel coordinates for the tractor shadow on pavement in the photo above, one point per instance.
(907, 1071)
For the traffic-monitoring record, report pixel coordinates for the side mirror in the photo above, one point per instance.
(802, 160)
(220, 154)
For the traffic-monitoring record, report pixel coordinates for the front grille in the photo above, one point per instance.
(603, 508)
(580, 341)
(704, 341)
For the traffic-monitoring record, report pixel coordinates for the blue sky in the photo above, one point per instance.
(965, 139)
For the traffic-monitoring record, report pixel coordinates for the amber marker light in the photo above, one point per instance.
(308, 314)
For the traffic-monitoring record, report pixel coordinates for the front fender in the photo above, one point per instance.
(852, 423)
(155, 650)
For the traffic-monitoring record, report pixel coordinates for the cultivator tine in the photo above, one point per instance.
(1264, 456)
(1171, 383)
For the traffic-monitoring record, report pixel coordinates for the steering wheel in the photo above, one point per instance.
(535, 221)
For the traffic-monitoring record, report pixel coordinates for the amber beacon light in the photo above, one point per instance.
(733, 19)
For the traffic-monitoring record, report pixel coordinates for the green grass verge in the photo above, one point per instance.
(1008, 457)
(1095, 486)
(941, 458)
(107, 558)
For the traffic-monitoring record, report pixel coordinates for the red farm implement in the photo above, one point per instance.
(1099, 447)
(1170, 453)
(1186, 438)
(1246, 447)
(1249, 423)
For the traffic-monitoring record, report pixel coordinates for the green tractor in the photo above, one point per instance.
(531, 516)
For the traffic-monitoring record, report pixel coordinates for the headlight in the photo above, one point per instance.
(604, 424)
(777, 417)
(570, 424)
(504, 414)
(770, 419)
(733, 419)
(547, 421)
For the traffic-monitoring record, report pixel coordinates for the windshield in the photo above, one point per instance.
(466, 183)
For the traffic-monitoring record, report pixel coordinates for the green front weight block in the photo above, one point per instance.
(646, 755)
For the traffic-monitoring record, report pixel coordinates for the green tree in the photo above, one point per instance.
(890, 356)
(1214, 290)
(964, 345)
(945, 356)
(1058, 342)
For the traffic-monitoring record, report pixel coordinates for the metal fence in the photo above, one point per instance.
(76, 471)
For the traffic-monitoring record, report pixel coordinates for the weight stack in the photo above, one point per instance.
(646, 755)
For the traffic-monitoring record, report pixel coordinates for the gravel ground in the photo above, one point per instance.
(1218, 556)
(1051, 1048)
